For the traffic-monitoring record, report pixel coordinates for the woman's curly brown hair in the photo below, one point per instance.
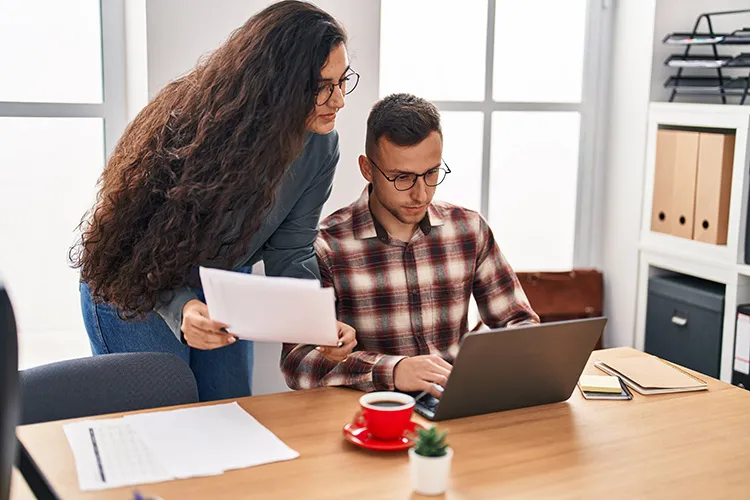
(214, 141)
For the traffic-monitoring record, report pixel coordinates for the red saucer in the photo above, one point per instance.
(360, 437)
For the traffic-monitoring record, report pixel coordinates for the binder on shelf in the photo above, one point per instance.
(674, 182)
(741, 365)
(713, 187)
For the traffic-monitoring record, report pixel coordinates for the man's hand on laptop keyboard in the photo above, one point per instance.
(420, 373)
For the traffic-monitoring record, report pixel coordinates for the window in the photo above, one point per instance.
(419, 49)
(62, 108)
(50, 168)
(53, 50)
(513, 83)
(534, 173)
(462, 133)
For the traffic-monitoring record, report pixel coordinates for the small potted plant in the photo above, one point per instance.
(430, 462)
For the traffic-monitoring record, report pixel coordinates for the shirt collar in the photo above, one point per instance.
(366, 226)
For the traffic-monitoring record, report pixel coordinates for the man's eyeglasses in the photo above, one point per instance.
(346, 84)
(406, 181)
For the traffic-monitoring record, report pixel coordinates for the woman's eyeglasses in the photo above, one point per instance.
(346, 84)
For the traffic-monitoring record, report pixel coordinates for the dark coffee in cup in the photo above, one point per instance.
(387, 404)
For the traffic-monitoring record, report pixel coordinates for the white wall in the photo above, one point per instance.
(180, 31)
(630, 79)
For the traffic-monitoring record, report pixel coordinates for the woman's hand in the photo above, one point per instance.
(200, 331)
(348, 340)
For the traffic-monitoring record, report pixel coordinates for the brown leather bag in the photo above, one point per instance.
(559, 296)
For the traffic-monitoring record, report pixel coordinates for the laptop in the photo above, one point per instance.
(510, 368)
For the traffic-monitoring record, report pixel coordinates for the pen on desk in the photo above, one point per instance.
(137, 496)
(97, 455)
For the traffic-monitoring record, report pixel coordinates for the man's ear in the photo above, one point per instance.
(365, 167)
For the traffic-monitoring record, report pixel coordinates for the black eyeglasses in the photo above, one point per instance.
(346, 84)
(407, 180)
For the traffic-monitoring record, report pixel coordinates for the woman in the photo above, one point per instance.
(228, 165)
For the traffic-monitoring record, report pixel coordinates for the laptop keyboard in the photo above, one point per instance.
(430, 402)
(427, 404)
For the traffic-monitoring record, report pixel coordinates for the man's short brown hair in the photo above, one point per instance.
(403, 119)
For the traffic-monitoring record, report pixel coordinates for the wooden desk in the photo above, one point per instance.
(694, 445)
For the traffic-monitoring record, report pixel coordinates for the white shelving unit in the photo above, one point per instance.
(662, 253)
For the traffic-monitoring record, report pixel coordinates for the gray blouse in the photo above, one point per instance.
(285, 239)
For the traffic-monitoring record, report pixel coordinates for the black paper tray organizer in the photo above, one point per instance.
(718, 83)
(741, 61)
(738, 37)
(708, 85)
(680, 61)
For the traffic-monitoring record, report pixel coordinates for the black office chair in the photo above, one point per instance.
(8, 391)
(97, 385)
(109, 383)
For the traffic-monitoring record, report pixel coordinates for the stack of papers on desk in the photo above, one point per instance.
(652, 375)
(162, 446)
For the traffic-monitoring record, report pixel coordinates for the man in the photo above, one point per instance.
(404, 267)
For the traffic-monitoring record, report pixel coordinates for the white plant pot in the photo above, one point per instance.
(429, 475)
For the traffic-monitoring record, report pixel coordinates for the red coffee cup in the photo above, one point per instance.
(386, 415)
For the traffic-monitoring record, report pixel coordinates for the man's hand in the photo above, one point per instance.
(200, 331)
(419, 373)
(348, 339)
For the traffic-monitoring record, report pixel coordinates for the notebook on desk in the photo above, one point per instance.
(652, 375)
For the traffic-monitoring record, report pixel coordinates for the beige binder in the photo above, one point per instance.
(652, 375)
(714, 186)
(674, 182)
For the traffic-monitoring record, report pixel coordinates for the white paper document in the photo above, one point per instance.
(270, 309)
(167, 445)
(110, 454)
(742, 345)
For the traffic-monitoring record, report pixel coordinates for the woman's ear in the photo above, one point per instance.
(365, 167)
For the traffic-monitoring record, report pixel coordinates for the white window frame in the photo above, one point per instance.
(593, 117)
(112, 109)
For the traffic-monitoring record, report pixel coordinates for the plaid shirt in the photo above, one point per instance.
(405, 299)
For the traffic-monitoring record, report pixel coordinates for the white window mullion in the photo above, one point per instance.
(51, 110)
(488, 100)
(589, 208)
(113, 68)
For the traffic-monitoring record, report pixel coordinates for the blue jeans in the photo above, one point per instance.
(221, 373)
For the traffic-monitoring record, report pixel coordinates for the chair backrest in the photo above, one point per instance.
(109, 383)
(565, 295)
(8, 391)
(562, 296)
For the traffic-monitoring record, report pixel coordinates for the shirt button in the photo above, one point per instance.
(414, 292)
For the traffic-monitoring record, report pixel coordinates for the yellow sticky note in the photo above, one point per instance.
(600, 383)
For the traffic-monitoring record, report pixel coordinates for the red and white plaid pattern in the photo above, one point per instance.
(405, 299)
